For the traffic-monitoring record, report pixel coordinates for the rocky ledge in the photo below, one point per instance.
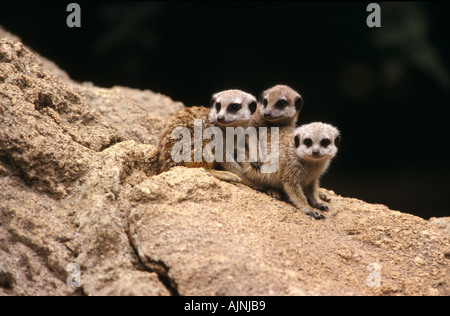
(78, 186)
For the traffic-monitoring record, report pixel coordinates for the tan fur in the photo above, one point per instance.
(185, 118)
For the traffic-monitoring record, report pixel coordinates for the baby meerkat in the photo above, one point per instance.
(230, 108)
(304, 155)
(278, 106)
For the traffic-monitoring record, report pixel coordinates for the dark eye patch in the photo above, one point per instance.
(218, 106)
(265, 102)
(281, 104)
(308, 142)
(234, 107)
(252, 107)
(297, 141)
(325, 142)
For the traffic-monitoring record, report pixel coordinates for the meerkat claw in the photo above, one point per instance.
(256, 165)
(316, 215)
(274, 193)
(324, 197)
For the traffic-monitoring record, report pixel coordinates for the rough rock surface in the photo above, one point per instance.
(78, 185)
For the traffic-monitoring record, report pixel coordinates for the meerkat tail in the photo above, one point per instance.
(225, 176)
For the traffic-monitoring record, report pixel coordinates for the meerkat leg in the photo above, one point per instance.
(299, 200)
(320, 195)
(313, 197)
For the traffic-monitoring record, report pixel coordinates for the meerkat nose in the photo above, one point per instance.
(267, 114)
(220, 119)
(316, 152)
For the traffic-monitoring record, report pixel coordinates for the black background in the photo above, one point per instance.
(387, 89)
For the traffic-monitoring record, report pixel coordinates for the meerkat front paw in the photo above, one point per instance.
(256, 165)
(274, 193)
(321, 206)
(315, 214)
(316, 204)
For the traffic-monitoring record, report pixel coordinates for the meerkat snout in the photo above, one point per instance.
(316, 141)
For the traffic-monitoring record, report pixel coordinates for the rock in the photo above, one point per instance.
(196, 231)
(60, 181)
(79, 186)
(46, 131)
(137, 115)
(135, 283)
(36, 242)
(443, 223)
(48, 64)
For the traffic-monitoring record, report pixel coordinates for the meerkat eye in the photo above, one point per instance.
(281, 104)
(218, 106)
(265, 102)
(297, 141)
(234, 107)
(325, 142)
(308, 142)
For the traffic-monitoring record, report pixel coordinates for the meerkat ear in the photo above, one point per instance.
(337, 140)
(297, 141)
(299, 103)
(261, 97)
(252, 106)
(213, 99)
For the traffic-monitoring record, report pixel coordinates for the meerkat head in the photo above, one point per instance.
(316, 141)
(280, 104)
(232, 108)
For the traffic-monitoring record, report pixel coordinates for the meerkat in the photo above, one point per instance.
(278, 106)
(304, 156)
(230, 108)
